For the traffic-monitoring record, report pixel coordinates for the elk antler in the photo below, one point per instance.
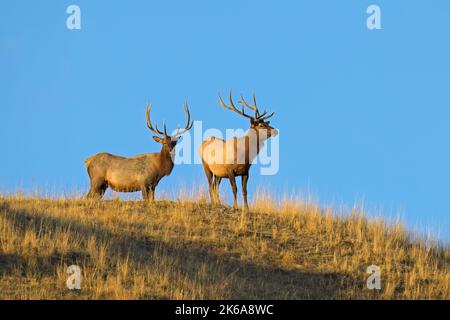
(149, 122)
(233, 108)
(261, 118)
(188, 122)
(258, 116)
(254, 107)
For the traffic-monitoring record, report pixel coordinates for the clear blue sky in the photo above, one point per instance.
(363, 115)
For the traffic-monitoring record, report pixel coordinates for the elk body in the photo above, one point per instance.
(233, 158)
(140, 173)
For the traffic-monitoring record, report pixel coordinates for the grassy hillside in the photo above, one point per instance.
(190, 250)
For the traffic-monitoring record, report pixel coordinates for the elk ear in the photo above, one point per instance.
(158, 139)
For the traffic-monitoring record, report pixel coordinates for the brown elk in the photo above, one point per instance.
(140, 173)
(232, 158)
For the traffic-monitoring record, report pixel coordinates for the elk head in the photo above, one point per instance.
(162, 136)
(258, 121)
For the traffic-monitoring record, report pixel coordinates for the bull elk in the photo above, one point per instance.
(140, 173)
(232, 158)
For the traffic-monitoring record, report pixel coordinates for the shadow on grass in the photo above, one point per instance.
(253, 281)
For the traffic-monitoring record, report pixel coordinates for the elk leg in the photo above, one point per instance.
(103, 188)
(216, 189)
(151, 195)
(244, 190)
(148, 193)
(234, 188)
(98, 188)
(209, 176)
(144, 191)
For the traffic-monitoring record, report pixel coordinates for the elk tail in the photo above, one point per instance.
(87, 161)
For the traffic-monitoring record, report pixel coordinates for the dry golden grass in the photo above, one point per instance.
(191, 250)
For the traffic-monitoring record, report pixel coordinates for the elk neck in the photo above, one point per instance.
(260, 139)
(249, 138)
(166, 159)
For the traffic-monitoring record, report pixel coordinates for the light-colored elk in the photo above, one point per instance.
(232, 158)
(140, 173)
